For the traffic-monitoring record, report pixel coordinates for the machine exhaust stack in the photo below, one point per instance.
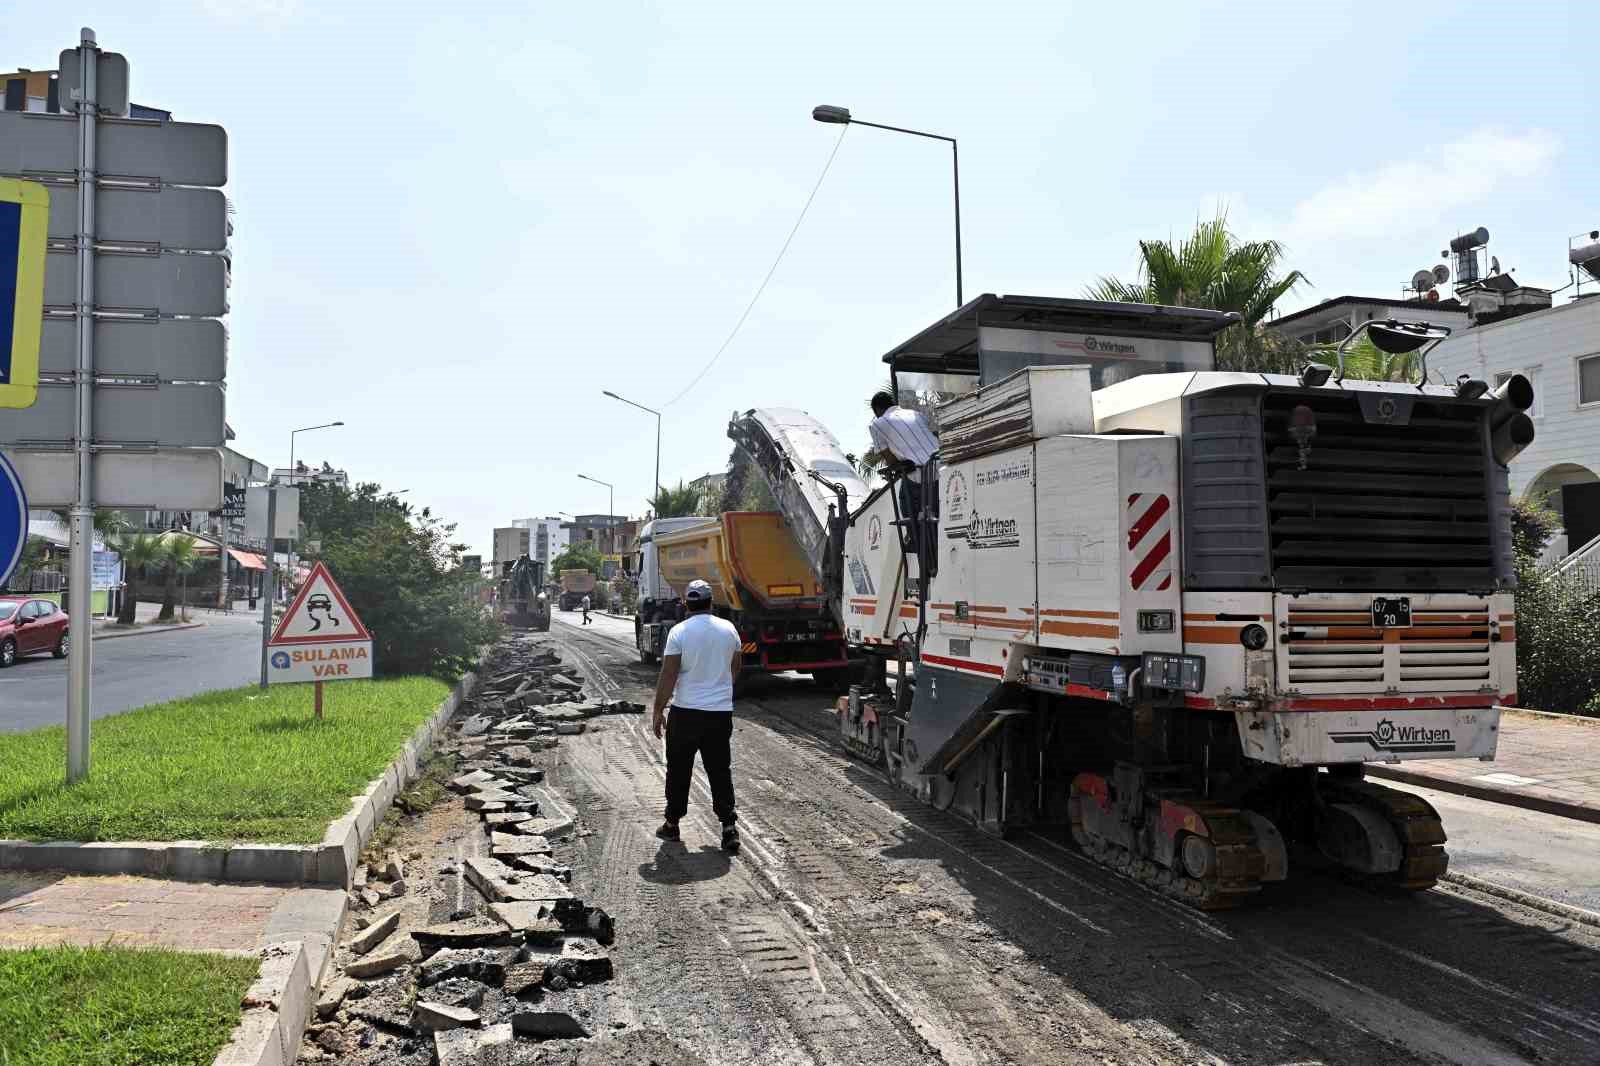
(1510, 437)
(1515, 395)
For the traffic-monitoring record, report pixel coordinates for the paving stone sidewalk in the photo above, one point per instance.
(1547, 763)
(46, 908)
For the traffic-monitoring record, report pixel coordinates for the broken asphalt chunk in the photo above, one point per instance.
(468, 934)
(519, 844)
(430, 1017)
(500, 883)
(381, 963)
(375, 934)
(470, 782)
(332, 996)
(489, 1046)
(547, 1025)
(508, 818)
(480, 964)
(541, 864)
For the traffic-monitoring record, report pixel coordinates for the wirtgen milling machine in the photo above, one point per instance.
(1175, 608)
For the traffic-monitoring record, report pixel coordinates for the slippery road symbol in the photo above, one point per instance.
(319, 602)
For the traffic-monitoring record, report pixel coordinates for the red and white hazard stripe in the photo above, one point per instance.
(1149, 542)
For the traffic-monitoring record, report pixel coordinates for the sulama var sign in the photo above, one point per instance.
(320, 638)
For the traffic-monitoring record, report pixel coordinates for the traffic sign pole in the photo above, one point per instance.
(268, 592)
(81, 566)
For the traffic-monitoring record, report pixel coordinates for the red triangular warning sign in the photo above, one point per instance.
(319, 614)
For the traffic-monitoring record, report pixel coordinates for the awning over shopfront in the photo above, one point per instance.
(248, 560)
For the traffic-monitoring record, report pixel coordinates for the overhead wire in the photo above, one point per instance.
(770, 272)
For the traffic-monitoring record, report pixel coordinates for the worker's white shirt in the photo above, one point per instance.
(905, 435)
(705, 676)
(586, 603)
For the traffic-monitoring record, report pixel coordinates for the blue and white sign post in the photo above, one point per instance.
(13, 519)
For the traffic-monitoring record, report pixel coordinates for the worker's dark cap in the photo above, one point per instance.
(698, 592)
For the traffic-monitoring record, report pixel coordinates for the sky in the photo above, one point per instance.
(457, 224)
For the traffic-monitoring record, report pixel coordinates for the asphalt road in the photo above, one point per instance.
(133, 671)
(1543, 854)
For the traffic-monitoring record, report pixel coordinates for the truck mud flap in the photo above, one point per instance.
(949, 713)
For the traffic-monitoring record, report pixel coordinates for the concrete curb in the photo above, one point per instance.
(275, 1010)
(333, 862)
(147, 632)
(1581, 812)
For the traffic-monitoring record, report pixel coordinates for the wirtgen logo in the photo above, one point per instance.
(1399, 739)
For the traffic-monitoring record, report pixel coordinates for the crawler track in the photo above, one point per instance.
(958, 947)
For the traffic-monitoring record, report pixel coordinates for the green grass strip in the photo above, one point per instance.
(69, 1006)
(237, 765)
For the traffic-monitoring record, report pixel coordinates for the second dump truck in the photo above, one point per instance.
(760, 581)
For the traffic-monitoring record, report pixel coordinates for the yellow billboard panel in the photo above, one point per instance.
(24, 220)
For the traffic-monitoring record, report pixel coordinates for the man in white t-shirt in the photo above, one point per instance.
(586, 610)
(902, 438)
(698, 666)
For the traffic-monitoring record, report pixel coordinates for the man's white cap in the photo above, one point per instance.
(697, 592)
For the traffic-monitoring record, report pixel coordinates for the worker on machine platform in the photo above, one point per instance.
(902, 436)
(702, 657)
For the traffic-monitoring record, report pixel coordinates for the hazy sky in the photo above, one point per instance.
(457, 224)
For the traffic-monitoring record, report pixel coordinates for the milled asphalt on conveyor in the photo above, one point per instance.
(1024, 950)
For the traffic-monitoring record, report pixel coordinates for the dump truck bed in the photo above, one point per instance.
(750, 559)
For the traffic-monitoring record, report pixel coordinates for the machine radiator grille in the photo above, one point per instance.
(1374, 503)
(1446, 648)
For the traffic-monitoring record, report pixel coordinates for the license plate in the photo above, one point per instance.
(1391, 612)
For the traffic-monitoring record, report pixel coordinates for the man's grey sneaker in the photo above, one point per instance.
(730, 838)
(668, 831)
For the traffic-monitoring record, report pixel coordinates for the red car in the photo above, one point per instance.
(29, 626)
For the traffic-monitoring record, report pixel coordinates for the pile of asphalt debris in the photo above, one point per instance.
(501, 958)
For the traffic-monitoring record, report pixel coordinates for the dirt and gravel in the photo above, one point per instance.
(858, 926)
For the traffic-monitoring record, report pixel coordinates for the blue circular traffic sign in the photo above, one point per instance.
(13, 519)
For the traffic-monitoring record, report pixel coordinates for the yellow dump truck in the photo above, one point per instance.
(761, 582)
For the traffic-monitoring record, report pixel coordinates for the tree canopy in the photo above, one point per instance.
(579, 555)
(1213, 269)
(679, 502)
(401, 571)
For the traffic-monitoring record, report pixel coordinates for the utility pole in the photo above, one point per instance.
(80, 595)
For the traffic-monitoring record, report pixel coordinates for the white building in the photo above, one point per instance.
(547, 538)
(1558, 349)
(510, 544)
(1331, 321)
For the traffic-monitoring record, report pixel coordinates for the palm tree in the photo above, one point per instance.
(178, 556)
(677, 502)
(1365, 360)
(140, 553)
(1213, 269)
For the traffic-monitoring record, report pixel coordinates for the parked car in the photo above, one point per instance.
(29, 626)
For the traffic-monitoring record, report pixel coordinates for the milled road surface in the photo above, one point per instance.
(861, 926)
(132, 671)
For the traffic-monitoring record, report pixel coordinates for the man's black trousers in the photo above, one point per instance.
(711, 734)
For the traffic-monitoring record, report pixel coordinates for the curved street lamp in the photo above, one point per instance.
(841, 116)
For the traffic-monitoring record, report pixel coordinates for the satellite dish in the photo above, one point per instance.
(1494, 264)
(1422, 280)
(1441, 273)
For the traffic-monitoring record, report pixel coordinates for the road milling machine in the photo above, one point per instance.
(1173, 609)
(523, 601)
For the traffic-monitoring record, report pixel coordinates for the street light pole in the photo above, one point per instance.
(611, 513)
(269, 591)
(653, 411)
(294, 433)
(841, 116)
